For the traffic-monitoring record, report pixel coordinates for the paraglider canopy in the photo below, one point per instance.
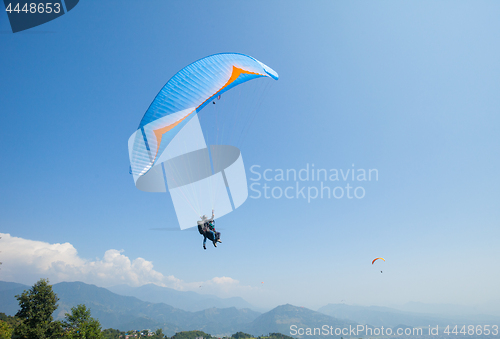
(168, 151)
(185, 94)
(377, 259)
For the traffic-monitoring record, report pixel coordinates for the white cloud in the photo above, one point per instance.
(26, 261)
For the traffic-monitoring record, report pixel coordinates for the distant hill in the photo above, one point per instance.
(440, 309)
(5, 286)
(185, 300)
(390, 317)
(127, 313)
(282, 317)
(479, 315)
(8, 302)
(379, 316)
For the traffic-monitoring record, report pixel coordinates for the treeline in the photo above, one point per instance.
(34, 321)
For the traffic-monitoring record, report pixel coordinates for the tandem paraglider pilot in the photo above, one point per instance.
(206, 227)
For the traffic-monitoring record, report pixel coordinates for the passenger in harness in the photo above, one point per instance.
(206, 227)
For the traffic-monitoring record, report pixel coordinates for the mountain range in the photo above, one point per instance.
(126, 312)
(185, 300)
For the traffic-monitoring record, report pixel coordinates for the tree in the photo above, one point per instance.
(37, 306)
(159, 334)
(191, 335)
(80, 325)
(7, 325)
(12, 322)
(111, 333)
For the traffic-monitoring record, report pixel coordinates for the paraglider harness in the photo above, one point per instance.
(206, 227)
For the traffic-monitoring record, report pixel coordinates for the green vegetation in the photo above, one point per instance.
(5, 330)
(34, 319)
(80, 325)
(270, 336)
(237, 335)
(111, 333)
(191, 335)
(279, 336)
(37, 306)
(7, 325)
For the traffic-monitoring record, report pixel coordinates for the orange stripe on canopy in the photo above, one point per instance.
(377, 259)
(160, 131)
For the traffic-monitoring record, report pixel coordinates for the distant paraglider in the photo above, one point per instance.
(376, 260)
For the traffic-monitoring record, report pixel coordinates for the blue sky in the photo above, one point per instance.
(407, 88)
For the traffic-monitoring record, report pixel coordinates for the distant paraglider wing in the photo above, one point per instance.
(377, 259)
